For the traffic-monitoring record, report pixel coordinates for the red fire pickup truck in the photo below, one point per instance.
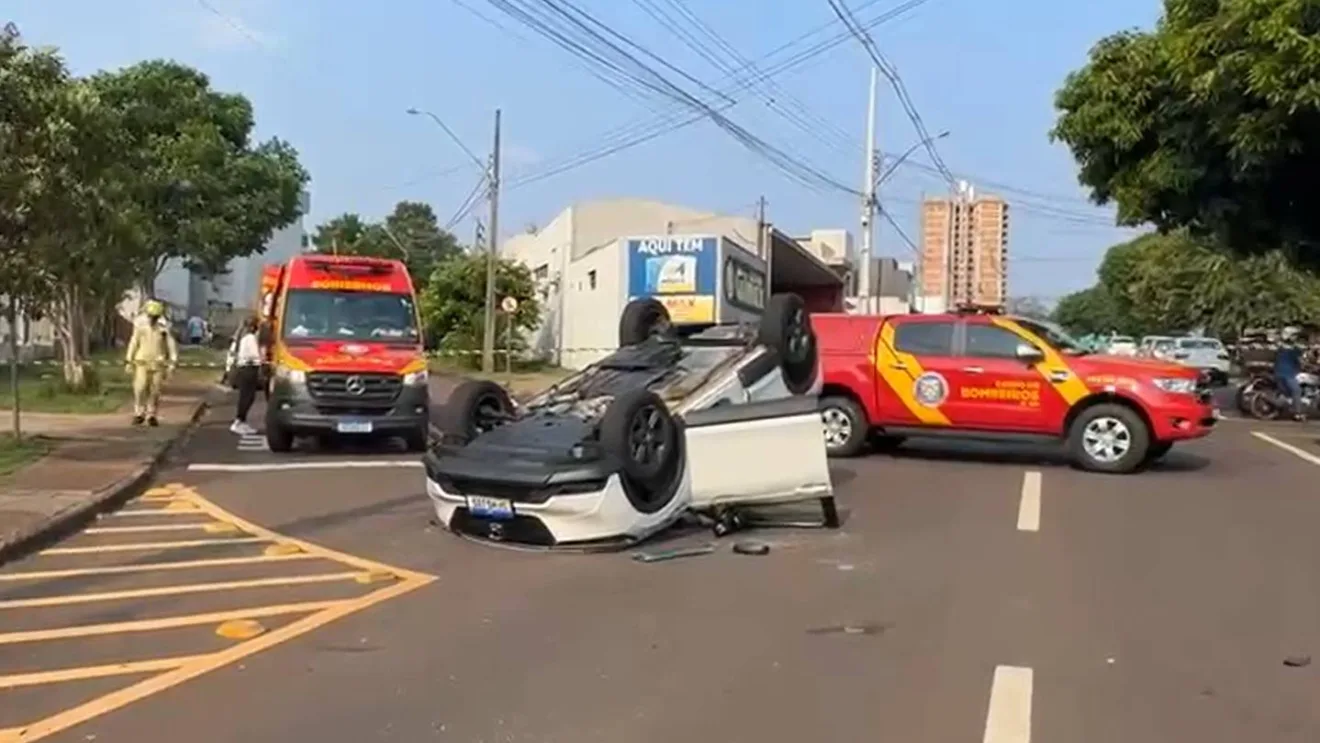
(982, 375)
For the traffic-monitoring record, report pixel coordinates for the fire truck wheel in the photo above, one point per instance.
(786, 329)
(844, 424)
(1109, 438)
(417, 440)
(642, 319)
(278, 438)
(474, 407)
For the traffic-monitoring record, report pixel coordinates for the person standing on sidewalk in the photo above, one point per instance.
(247, 368)
(151, 357)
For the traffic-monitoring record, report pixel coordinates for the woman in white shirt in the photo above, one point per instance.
(247, 368)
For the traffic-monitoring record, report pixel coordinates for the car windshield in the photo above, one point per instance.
(1196, 343)
(1055, 336)
(350, 316)
(1120, 339)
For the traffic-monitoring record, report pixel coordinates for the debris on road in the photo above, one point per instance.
(674, 554)
(751, 548)
(1297, 661)
(860, 628)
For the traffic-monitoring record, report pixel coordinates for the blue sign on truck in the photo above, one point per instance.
(679, 271)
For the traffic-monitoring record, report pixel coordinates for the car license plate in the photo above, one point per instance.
(353, 427)
(490, 508)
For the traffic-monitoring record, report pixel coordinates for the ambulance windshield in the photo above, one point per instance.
(350, 316)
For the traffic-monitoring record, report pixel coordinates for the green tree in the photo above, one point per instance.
(209, 194)
(453, 304)
(347, 234)
(1089, 312)
(1206, 123)
(410, 233)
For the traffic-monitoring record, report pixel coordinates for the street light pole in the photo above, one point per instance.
(492, 245)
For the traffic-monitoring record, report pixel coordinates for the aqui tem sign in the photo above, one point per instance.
(679, 271)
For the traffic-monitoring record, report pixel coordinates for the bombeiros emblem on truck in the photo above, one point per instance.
(930, 389)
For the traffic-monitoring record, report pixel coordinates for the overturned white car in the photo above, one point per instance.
(709, 422)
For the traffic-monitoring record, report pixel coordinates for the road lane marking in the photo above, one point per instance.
(321, 613)
(160, 623)
(1008, 719)
(329, 464)
(130, 512)
(1308, 456)
(150, 566)
(145, 529)
(1029, 506)
(149, 546)
(138, 593)
(95, 672)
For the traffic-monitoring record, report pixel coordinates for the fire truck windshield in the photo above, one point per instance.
(350, 316)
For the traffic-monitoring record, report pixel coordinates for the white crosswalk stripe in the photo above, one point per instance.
(252, 442)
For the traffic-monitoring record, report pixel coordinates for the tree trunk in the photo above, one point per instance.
(66, 316)
(12, 316)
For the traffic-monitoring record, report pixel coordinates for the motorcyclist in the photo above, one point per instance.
(1287, 365)
(151, 356)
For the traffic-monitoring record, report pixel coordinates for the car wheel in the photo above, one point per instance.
(278, 438)
(639, 431)
(844, 426)
(643, 319)
(786, 329)
(1109, 438)
(475, 407)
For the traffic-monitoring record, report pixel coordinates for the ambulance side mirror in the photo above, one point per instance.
(1029, 353)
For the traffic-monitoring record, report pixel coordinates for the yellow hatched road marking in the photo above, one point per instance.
(200, 526)
(147, 567)
(131, 512)
(149, 546)
(151, 625)
(96, 672)
(137, 593)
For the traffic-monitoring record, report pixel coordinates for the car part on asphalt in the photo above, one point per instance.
(709, 421)
(674, 554)
(756, 549)
(1297, 661)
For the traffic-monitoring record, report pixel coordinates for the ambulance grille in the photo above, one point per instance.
(340, 388)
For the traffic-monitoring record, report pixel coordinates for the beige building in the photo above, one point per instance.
(964, 251)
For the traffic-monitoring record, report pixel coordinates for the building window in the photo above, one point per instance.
(591, 279)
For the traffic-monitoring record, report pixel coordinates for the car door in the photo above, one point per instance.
(997, 390)
(915, 365)
(756, 452)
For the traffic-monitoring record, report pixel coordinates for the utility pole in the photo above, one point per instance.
(869, 201)
(488, 337)
(478, 236)
(760, 230)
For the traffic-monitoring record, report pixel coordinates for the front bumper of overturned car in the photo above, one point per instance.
(566, 506)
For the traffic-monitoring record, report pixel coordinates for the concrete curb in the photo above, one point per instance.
(74, 517)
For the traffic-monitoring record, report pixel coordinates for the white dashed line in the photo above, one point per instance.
(1009, 717)
(1308, 456)
(1029, 507)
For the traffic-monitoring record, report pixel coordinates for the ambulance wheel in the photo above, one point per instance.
(845, 425)
(278, 438)
(643, 319)
(475, 407)
(638, 430)
(786, 329)
(1109, 438)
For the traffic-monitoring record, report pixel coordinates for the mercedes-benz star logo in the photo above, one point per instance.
(355, 385)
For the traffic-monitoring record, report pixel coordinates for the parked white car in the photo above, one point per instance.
(1122, 345)
(1206, 354)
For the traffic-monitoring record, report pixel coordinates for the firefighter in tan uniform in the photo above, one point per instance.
(151, 357)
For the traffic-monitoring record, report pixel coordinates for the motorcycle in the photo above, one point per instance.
(1260, 378)
(1270, 402)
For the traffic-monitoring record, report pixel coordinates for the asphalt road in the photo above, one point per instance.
(974, 593)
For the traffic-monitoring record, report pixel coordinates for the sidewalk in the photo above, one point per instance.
(97, 459)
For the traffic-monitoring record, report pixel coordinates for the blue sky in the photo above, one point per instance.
(335, 78)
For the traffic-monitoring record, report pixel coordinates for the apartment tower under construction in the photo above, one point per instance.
(964, 251)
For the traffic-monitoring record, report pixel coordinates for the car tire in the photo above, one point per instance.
(786, 329)
(639, 431)
(279, 439)
(417, 440)
(844, 426)
(1127, 449)
(643, 319)
(473, 408)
